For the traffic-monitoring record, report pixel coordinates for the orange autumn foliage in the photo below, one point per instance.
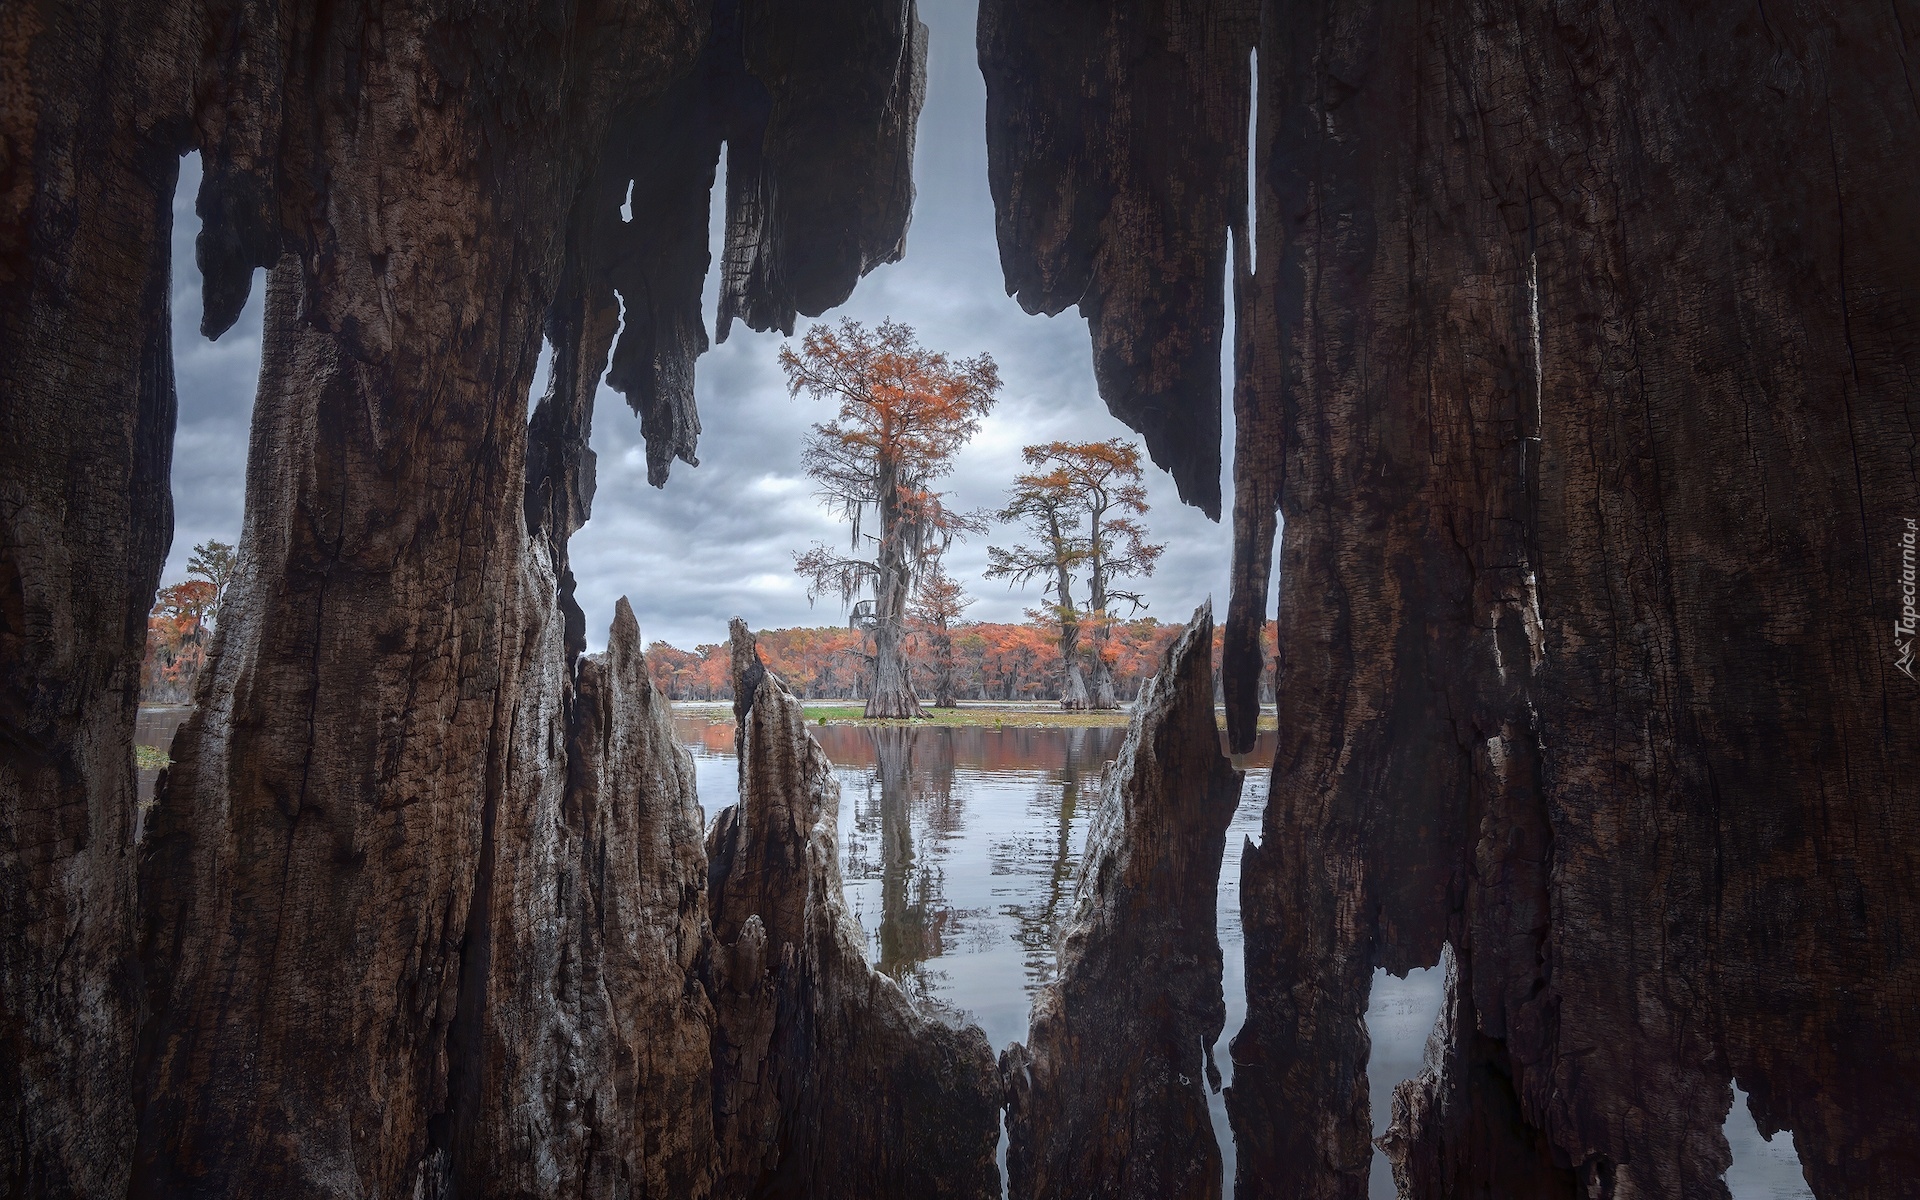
(902, 412)
(176, 641)
(990, 661)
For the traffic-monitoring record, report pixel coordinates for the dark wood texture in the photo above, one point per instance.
(1578, 350)
(1107, 1099)
(418, 911)
(829, 1080)
(87, 173)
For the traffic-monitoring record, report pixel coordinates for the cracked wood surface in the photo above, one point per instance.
(1576, 349)
(1107, 1099)
(380, 949)
(830, 1079)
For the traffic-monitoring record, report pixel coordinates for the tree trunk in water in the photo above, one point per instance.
(892, 695)
(1103, 694)
(1073, 684)
(1107, 1099)
(1103, 697)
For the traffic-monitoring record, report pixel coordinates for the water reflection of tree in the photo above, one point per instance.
(1037, 924)
(910, 764)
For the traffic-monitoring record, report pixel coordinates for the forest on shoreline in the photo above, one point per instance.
(993, 661)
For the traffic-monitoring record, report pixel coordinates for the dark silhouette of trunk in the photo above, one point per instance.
(374, 929)
(86, 516)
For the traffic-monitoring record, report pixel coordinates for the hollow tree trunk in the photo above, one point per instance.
(829, 1080)
(378, 953)
(92, 120)
(378, 925)
(1595, 484)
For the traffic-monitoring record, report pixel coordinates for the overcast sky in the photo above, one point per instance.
(719, 539)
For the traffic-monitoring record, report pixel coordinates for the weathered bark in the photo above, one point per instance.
(1116, 153)
(817, 106)
(635, 1102)
(1106, 1100)
(372, 956)
(1458, 1129)
(93, 114)
(341, 938)
(1607, 557)
(1073, 681)
(828, 1078)
(892, 695)
(1578, 352)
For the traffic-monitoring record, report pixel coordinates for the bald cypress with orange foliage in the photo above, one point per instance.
(1081, 504)
(904, 412)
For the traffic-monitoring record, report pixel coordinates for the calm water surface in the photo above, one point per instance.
(959, 847)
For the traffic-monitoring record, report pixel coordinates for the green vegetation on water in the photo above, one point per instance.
(150, 758)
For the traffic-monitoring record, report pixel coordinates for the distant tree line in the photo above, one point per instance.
(981, 660)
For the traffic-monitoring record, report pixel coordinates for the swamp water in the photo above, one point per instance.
(959, 845)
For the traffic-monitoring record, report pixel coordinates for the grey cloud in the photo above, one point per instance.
(215, 382)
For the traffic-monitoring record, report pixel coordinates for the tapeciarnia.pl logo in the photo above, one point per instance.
(1903, 628)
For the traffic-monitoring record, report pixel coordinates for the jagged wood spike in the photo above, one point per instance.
(1107, 1099)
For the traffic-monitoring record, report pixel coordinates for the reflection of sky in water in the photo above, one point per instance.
(959, 848)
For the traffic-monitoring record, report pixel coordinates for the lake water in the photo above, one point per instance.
(959, 847)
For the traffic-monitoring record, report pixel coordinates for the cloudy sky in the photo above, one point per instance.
(719, 539)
